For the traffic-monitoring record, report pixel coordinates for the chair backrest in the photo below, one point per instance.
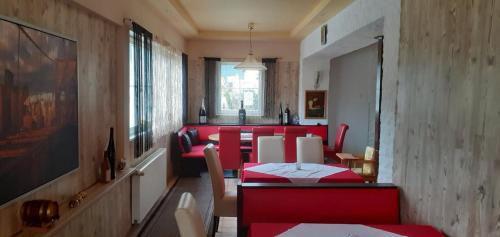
(339, 137)
(310, 150)
(369, 168)
(188, 217)
(256, 133)
(291, 134)
(215, 170)
(229, 147)
(271, 149)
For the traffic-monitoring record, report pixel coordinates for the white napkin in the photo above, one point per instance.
(335, 230)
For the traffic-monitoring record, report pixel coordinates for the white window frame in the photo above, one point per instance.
(218, 105)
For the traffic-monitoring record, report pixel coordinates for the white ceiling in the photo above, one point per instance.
(234, 15)
(228, 19)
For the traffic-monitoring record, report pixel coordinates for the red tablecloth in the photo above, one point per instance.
(255, 177)
(273, 229)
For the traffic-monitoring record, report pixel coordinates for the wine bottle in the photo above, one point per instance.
(242, 115)
(286, 116)
(105, 171)
(280, 116)
(202, 115)
(111, 155)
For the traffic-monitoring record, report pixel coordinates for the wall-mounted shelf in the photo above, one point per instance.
(94, 194)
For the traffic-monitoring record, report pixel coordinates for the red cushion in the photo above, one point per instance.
(196, 152)
(364, 204)
(229, 147)
(291, 134)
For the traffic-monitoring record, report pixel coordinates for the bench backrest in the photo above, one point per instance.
(317, 203)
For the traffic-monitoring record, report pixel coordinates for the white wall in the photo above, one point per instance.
(352, 97)
(238, 49)
(383, 15)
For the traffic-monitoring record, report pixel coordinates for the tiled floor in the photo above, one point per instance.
(163, 221)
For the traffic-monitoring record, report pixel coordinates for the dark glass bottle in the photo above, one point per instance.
(242, 115)
(202, 115)
(111, 154)
(280, 115)
(286, 116)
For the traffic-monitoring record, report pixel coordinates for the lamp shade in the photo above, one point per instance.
(251, 63)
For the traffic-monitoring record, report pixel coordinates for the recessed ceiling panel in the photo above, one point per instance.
(234, 15)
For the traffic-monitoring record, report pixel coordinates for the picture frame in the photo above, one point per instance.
(315, 104)
(42, 119)
(324, 34)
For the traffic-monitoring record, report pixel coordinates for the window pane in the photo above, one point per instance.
(236, 85)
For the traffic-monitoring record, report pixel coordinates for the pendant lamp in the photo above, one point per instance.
(251, 62)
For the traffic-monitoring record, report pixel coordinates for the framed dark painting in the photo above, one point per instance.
(315, 104)
(38, 108)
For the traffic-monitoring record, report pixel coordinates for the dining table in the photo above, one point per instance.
(353, 230)
(291, 173)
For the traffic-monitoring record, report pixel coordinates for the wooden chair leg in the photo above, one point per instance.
(215, 226)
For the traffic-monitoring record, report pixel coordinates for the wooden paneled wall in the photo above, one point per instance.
(97, 112)
(447, 144)
(287, 92)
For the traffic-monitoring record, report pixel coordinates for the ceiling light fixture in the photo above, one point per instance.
(251, 62)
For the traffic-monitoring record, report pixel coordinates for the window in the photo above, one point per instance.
(132, 123)
(141, 89)
(234, 85)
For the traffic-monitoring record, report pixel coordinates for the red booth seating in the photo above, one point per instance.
(229, 148)
(317, 203)
(192, 162)
(331, 152)
(256, 133)
(291, 134)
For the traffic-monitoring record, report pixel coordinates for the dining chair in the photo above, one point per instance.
(367, 166)
(188, 217)
(270, 149)
(224, 201)
(331, 152)
(291, 134)
(229, 147)
(256, 133)
(310, 150)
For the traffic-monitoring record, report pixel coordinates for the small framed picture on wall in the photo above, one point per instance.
(315, 105)
(324, 34)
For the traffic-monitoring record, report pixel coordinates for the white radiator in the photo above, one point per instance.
(148, 184)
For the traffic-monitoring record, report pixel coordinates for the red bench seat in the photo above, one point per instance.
(317, 203)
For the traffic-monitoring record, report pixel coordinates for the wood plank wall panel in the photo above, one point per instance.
(288, 91)
(97, 105)
(447, 142)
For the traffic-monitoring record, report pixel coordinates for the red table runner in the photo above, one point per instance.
(273, 229)
(255, 177)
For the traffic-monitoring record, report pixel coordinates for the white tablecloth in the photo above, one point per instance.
(308, 173)
(335, 230)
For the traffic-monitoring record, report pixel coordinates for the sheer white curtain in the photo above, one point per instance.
(167, 89)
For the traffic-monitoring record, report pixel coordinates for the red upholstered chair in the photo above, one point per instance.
(229, 147)
(256, 133)
(339, 142)
(291, 134)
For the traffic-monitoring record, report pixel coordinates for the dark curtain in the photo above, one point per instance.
(184, 88)
(271, 80)
(143, 78)
(210, 82)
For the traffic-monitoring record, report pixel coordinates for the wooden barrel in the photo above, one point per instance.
(39, 212)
